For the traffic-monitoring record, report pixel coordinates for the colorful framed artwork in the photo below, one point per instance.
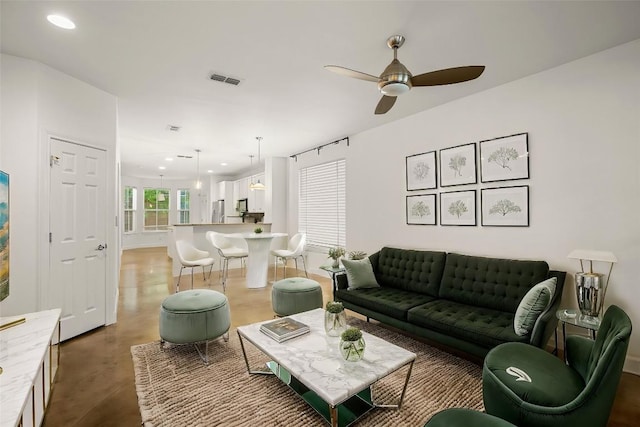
(458, 165)
(421, 210)
(505, 158)
(4, 235)
(505, 206)
(458, 208)
(421, 171)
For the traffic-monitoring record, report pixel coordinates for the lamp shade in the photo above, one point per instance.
(256, 186)
(589, 255)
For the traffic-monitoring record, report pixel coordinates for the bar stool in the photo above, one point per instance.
(191, 257)
(227, 251)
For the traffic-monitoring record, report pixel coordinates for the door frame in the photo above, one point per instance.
(112, 266)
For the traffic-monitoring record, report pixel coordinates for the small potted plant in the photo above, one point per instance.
(335, 319)
(257, 230)
(335, 254)
(352, 345)
(355, 255)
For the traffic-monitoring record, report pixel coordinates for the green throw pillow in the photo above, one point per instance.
(360, 274)
(532, 305)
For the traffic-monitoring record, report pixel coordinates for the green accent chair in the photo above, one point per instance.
(529, 387)
(462, 417)
(194, 316)
(295, 295)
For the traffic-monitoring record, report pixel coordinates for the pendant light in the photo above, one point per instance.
(198, 183)
(160, 195)
(256, 185)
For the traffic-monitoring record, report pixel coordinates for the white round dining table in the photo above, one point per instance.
(258, 246)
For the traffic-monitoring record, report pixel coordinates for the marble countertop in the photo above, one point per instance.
(219, 223)
(315, 360)
(22, 349)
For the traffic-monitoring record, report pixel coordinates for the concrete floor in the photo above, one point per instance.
(95, 385)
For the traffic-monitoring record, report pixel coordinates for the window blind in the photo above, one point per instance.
(322, 204)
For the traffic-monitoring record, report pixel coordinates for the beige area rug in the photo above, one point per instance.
(175, 388)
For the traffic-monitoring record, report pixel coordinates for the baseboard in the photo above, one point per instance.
(632, 365)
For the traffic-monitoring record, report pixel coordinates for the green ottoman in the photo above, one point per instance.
(460, 417)
(194, 316)
(295, 295)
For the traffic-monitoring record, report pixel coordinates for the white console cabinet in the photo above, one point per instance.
(29, 357)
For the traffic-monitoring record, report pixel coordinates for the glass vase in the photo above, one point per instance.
(352, 351)
(335, 323)
(336, 263)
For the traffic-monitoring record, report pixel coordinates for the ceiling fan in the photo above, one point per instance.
(396, 79)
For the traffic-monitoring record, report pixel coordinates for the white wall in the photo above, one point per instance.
(583, 120)
(39, 102)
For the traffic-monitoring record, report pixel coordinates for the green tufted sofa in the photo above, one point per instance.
(461, 301)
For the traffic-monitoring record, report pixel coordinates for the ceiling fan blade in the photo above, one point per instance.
(448, 76)
(385, 104)
(351, 73)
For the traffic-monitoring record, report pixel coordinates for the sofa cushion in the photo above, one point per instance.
(494, 283)
(532, 305)
(388, 301)
(409, 270)
(482, 326)
(360, 274)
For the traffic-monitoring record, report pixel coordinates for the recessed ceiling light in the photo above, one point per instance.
(223, 164)
(169, 159)
(61, 21)
(162, 167)
(209, 171)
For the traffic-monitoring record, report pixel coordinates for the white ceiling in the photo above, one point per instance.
(156, 57)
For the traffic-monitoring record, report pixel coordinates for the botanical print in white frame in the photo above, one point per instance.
(458, 208)
(505, 158)
(421, 210)
(458, 165)
(421, 171)
(505, 206)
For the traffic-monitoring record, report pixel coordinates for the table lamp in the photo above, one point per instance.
(591, 287)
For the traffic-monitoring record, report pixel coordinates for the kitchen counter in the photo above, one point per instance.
(223, 224)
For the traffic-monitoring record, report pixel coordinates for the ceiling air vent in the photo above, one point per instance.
(173, 128)
(182, 156)
(224, 79)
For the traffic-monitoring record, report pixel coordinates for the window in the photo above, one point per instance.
(322, 204)
(130, 194)
(156, 209)
(183, 206)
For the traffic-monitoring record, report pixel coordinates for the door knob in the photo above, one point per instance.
(101, 247)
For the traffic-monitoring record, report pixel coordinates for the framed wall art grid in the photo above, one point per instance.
(505, 206)
(458, 165)
(421, 210)
(458, 208)
(505, 158)
(421, 171)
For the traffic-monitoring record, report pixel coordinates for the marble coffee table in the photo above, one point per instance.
(312, 366)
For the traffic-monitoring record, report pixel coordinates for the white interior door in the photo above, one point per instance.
(78, 252)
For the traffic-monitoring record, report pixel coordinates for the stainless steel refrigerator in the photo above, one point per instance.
(217, 211)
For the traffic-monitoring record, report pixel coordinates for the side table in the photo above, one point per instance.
(574, 317)
(334, 272)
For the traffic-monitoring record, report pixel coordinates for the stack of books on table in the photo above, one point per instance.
(284, 329)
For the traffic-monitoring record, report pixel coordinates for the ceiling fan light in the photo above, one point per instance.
(394, 89)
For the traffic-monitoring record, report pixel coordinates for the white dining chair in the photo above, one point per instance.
(294, 250)
(227, 251)
(191, 257)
